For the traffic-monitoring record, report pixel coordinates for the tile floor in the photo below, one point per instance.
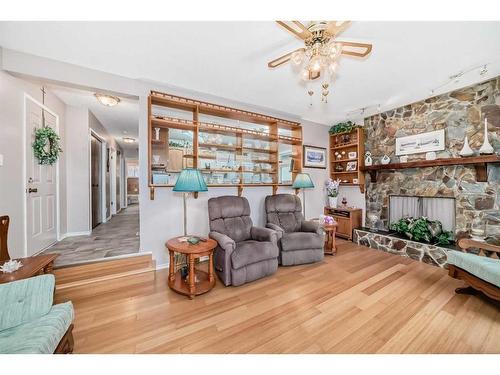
(118, 236)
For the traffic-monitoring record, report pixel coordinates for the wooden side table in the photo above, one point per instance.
(189, 287)
(330, 247)
(32, 266)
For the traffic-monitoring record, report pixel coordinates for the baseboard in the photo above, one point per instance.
(74, 234)
(161, 266)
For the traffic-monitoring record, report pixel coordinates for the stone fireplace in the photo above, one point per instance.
(460, 113)
(434, 208)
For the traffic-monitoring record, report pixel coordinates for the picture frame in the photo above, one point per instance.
(352, 154)
(352, 166)
(420, 143)
(314, 157)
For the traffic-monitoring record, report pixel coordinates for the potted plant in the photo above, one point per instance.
(332, 190)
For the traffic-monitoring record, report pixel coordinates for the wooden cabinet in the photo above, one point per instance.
(348, 219)
(347, 152)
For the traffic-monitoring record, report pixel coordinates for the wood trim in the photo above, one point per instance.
(67, 343)
(4, 232)
(479, 162)
(467, 243)
(475, 282)
(78, 274)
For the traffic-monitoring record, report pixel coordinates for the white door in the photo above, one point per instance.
(41, 187)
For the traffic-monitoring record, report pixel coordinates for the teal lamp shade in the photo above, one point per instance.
(190, 180)
(302, 181)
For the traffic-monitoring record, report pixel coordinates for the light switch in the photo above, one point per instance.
(1, 160)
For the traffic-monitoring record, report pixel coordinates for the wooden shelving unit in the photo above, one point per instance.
(341, 145)
(208, 131)
(479, 162)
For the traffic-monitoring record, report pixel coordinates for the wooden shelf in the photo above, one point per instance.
(343, 160)
(479, 162)
(219, 146)
(353, 140)
(345, 145)
(259, 150)
(277, 131)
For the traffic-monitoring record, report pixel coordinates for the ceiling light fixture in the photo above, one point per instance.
(107, 100)
(128, 140)
(318, 59)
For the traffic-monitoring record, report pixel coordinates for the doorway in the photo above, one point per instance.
(42, 191)
(96, 180)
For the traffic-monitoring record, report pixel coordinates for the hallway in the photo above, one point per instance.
(118, 236)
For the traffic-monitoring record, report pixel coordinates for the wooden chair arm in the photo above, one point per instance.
(466, 243)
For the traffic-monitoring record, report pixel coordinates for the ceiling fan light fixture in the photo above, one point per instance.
(107, 100)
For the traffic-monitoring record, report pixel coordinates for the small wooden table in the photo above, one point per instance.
(206, 281)
(32, 266)
(330, 247)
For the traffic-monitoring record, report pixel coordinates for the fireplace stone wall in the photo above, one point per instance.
(460, 113)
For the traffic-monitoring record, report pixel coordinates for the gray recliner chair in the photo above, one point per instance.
(244, 253)
(299, 241)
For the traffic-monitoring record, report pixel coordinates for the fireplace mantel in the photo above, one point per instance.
(479, 162)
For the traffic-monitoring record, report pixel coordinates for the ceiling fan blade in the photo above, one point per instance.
(334, 28)
(283, 59)
(355, 49)
(296, 28)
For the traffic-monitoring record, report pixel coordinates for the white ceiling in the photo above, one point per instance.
(120, 121)
(229, 59)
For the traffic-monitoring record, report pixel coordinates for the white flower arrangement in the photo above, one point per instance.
(332, 187)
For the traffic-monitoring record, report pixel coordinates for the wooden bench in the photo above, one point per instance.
(475, 283)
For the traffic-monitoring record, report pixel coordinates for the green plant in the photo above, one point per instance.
(422, 230)
(342, 127)
(46, 145)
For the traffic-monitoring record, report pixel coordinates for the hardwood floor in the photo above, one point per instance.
(359, 301)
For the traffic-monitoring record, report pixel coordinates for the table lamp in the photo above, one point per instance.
(303, 181)
(190, 181)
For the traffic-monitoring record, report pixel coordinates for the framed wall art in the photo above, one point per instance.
(419, 143)
(351, 166)
(314, 157)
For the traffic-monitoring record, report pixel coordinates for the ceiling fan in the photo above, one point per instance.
(319, 56)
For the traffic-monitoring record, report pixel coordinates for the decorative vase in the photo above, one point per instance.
(431, 155)
(332, 202)
(466, 150)
(385, 160)
(157, 134)
(368, 159)
(486, 148)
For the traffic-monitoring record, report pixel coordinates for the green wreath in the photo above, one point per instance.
(46, 145)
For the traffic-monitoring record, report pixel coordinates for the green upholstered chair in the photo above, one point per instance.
(29, 322)
(480, 270)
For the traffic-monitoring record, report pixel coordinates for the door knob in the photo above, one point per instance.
(30, 190)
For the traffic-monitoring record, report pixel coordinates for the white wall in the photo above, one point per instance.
(161, 218)
(77, 174)
(12, 194)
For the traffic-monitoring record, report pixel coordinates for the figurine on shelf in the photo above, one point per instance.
(344, 202)
(466, 150)
(368, 159)
(486, 148)
(385, 160)
(338, 168)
